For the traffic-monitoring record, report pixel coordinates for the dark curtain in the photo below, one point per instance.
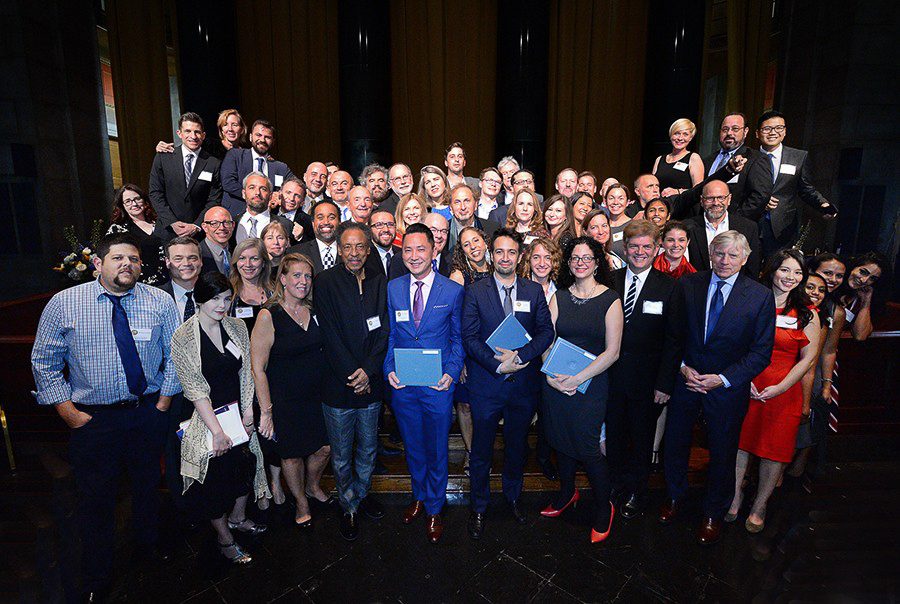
(749, 25)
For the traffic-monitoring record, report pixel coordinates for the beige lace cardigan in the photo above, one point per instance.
(186, 358)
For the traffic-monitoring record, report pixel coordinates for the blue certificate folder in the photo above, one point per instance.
(509, 335)
(567, 359)
(418, 366)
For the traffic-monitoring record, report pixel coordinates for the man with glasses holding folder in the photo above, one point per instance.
(425, 311)
(507, 380)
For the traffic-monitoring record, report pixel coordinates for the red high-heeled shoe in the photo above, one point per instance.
(550, 512)
(598, 537)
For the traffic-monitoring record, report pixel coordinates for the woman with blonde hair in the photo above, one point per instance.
(276, 240)
(411, 209)
(251, 280)
(680, 169)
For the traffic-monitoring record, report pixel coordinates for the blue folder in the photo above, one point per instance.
(509, 335)
(418, 366)
(567, 359)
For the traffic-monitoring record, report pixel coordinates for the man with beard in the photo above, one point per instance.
(360, 204)
(752, 187)
(339, 184)
(101, 358)
(455, 160)
(256, 192)
(400, 179)
(322, 250)
(566, 181)
(215, 249)
(238, 163)
(374, 177)
(383, 253)
(505, 384)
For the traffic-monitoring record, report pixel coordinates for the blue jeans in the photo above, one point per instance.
(353, 477)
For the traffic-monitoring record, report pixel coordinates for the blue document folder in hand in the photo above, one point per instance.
(567, 359)
(509, 335)
(418, 366)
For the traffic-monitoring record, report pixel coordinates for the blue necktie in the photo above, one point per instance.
(715, 310)
(189, 307)
(226, 265)
(131, 362)
(434, 265)
(720, 159)
(259, 162)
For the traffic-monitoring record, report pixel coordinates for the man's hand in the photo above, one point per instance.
(183, 229)
(772, 204)
(275, 200)
(660, 398)
(829, 212)
(737, 163)
(394, 381)
(709, 381)
(445, 382)
(692, 379)
(164, 403)
(669, 192)
(508, 362)
(463, 375)
(297, 231)
(358, 380)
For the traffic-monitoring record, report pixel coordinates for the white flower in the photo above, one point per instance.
(86, 251)
(70, 258)
(81, 267)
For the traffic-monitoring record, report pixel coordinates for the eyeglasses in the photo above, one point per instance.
(440, 231)
(586, 260)
(770, 129)
(383, 225)
(402, 178)
(524, 181)
(715, 198)
(492, 181)
(215, 224)
(134, 201)
(726, 129)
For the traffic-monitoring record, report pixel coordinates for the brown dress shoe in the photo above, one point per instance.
(668, 511)
(709, 531)
(413, 511)
(434, 528)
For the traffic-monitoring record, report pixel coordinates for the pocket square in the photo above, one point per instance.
(437, 306)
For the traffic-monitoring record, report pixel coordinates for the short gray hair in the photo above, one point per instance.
(370, 170)
(509, 159)
(730, 239)
(256, 173)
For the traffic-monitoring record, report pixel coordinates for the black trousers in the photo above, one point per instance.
(113, 442)
(630, 427)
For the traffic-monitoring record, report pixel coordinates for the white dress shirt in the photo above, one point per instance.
(427, 283)
(485, 209)
(262, 220)
(384, 254)
(332, 248)
(642, 278)
(712, 231)
(181, 300)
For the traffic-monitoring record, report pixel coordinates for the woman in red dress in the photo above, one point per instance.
(776, 395)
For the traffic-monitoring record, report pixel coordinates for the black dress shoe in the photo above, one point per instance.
(548, 469)
(517, 512)
(350, 526)
(632, 507)
(380, 469)
(476, 525)
(371, 508)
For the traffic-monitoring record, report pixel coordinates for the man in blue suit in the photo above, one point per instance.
(725, 335)
(238, 163)
(425, 311)
(503, 385)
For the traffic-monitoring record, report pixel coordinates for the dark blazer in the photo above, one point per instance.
(374, 259)
(499, 214)
(352, 338)
(648, 358)
(687, 203)
(310, 249)
(209, 261)
(172, 200)
(482, 313)
(303, 219)
(488, 226)
(751, 189)
(237, 164)
(389, 204)
(698, 248)
(287, 224)
(791, 189)
(398, 267)
(740, 346)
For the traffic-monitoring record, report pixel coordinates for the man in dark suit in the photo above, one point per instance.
(725, 334)
(215, 249)
(752, 187)
(507, 384)
(384, 252)
(323, 250)
(374, 177)
(238, 163)
(716, 219)
(184, 184)
(257, 192)
(400, 179)
(641, 380)
(779, 224)
(293, 192)
(462, 208)
(425, 311)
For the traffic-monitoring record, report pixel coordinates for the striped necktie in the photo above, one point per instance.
(630, 298)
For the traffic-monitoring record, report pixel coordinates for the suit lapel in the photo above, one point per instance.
(176, 159)
(732, 306)
(701, 290)
(198, 167)
(620, 285)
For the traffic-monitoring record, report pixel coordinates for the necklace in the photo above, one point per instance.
(582, 300)
(295, 314)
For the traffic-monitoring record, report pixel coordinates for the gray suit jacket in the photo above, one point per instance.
(790, 190)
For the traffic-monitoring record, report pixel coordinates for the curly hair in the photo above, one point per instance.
(120, 216)
(602, 273)
(555, 257)
(460, 262)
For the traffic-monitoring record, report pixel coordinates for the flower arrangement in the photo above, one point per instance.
(77, 266)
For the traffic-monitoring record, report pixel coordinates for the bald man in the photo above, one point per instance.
(215, 249)
(315, 177)
(360, 203)
(339, 184)
(566, 182)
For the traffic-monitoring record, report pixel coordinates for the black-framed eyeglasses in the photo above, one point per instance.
(218, 223)
(586, 260)
(769, 129)
(383, 225)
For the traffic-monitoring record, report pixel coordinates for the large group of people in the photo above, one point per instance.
(235, 291)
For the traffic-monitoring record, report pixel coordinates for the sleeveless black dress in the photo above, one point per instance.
(295, 370)
(573, 423)
(669, 176)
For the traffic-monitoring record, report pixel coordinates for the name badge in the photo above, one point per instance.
(529, 238)
(680, 166)
(653, 307)
(401, 316)
(850, 315)
(522, 306)
(373, 323)
(205, 175)
(278, 180)
(787, 169)
(733, 179)
(141, 335)
(618, 236)
(233, 349)
(243, 312)
(786, 322)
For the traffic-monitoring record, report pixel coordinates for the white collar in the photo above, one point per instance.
(642, 276)
(185, 152)
(427, 281)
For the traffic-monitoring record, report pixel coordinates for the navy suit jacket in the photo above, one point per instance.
(740, 346)
(482, 313)
(440, 326)
(237, 164)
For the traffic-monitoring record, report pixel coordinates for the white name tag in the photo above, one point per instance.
(243, 312)
(373, 323)
(522, 306)
(233, 349)
(680, 166)
(401, 316)
(278, 180)
(786, 322)
(653, 307)
(529, 238)
(787, 169)
(207, 176)
(733, 179)
(850, 315)
(618, 236)
(141, 335)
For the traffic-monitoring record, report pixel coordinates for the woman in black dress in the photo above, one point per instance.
(133, 213)
(680, 169)
(211, 354)
(288, 364)
(573, 421)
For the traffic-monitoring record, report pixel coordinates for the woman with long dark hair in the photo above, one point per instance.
(860, 293)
